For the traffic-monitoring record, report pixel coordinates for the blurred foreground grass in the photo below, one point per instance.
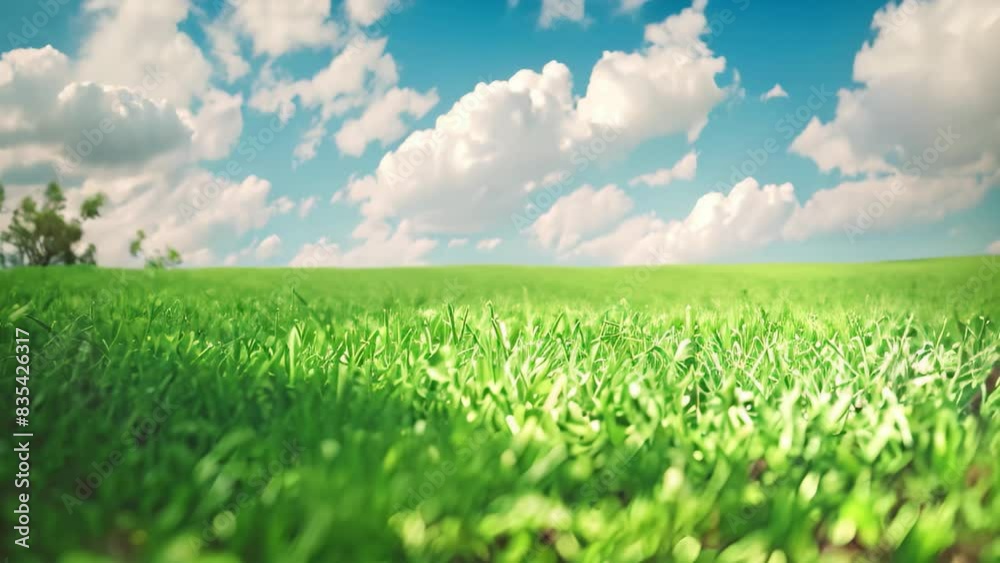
(753, 413)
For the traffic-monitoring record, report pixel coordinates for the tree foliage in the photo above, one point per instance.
(42, 235)
(160, 260)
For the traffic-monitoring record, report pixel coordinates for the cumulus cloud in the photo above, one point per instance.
(719, 225)
(477, 160)
(361, 75)
(580, 214)
(457, 242)
(683, 169)
(487, 245)
(882, 203)
(268, 247)
(921, 131)
(400, 248)
(382, 120)
(76, 126)
(148, 32)
(336, 88)
(276, 28)
(310, 142)
(667, 87)
(367, 12)
(260, 251)
(993, 248)
(226, 49)
(775, 92)
(217, 125)
(134, 128)
(191, 211)
(497, 143)
(924, 71)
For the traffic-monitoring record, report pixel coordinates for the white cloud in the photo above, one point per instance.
(580, 214)
(631, 6)
(360, 73)
(124, 126)
(188, 210)
(398, 249)
(283, 205)
(882, 203)
(926, 70)
(268, 247)
(719, 225)
(382, 121)
(199, 258)
(276, 28)
(226, 49)
(79, 126)
(667, 87)
(554, 10)
(336, 88)
(137, 44)
(775, 92)
(306, 206)
(261, 250)
(457, 242)
(487, 245)
(311, 139)
(217, 125)
(993, 248)
(683, 169)
(921, 131)
(367, 12)
(476, 165)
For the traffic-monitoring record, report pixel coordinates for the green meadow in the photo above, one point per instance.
(705, 413)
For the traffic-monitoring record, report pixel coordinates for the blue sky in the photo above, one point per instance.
(166, 166)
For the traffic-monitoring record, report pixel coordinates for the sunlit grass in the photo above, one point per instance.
(501, 414)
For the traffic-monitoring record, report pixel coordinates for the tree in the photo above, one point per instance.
(158, 261)
(42, 236)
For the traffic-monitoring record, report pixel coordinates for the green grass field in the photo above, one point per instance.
(750, 413)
